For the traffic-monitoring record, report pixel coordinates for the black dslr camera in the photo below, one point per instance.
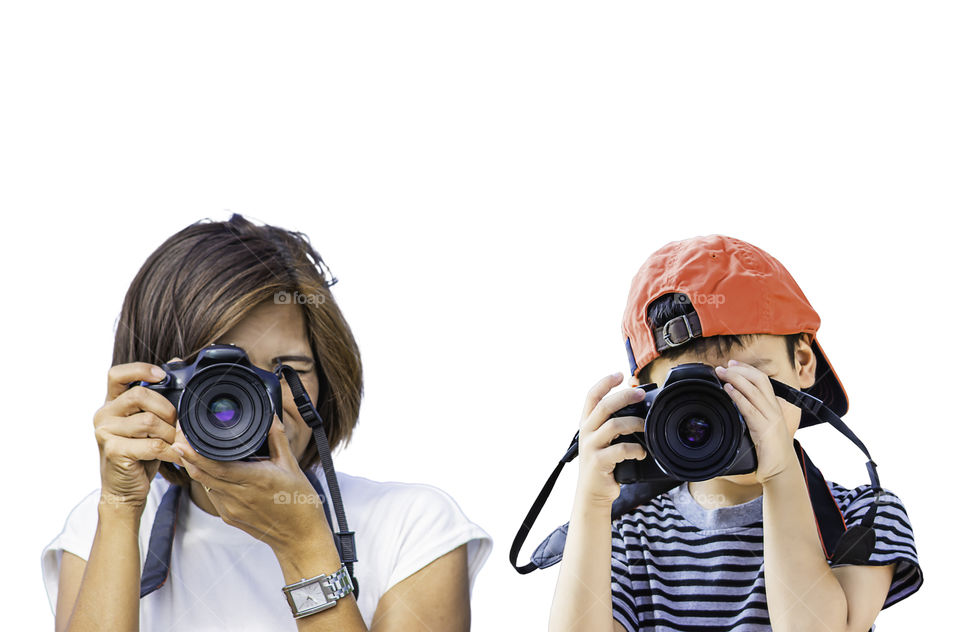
(225, 404)
(692, 430)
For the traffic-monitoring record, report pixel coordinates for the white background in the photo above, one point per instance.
(485, 179)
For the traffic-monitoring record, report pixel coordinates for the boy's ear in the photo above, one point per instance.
(805, 361)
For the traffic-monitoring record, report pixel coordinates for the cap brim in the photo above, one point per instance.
(826, 387)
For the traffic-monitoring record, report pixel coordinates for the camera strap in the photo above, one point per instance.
(159, 550)
(156, 566)
(841, 544)
(343, 537)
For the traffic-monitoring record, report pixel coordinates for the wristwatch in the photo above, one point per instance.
(308, 596)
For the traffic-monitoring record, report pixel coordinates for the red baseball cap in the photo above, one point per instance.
(733, 288)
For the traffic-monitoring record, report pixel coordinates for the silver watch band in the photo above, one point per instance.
(309, 596)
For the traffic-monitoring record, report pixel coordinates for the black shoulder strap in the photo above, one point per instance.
(344, 538)
(537, 506)
(814, 406)
(840, 544)
(551, 550)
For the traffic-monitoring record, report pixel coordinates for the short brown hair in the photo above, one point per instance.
(204, 279)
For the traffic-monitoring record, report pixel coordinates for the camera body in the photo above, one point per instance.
(692, 430)
(224, 403)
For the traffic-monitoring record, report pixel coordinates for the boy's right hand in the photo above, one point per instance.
(596, 486)
(135, 427)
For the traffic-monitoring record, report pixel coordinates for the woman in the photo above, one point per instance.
(220, 553)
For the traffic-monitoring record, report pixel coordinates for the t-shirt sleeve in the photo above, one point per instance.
(76, 537)
(624, 609)
(894, 539)
(433, 525)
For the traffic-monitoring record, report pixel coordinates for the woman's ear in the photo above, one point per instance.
(805, 361)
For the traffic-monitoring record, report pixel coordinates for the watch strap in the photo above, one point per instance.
(309, 596)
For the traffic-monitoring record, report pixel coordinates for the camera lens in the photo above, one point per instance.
(224, 412)
(693, 429)
(694, 432)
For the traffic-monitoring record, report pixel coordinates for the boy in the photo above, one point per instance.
(739, 553)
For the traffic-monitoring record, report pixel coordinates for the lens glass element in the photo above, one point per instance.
(224, 411)
(694, 431)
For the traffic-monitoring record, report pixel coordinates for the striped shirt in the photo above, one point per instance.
(678, 566)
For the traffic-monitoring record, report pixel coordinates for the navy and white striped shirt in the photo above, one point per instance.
(678, 566)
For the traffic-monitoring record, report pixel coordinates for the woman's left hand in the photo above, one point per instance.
(272, 500)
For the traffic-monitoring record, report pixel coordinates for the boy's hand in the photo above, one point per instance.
(751, 391)
(595, 484)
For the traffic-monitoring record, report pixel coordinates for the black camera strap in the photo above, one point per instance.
(856, 543)
(343, 537)
(538, 504)
(841, 544)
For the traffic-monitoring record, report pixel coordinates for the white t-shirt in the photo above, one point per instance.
(223, 578)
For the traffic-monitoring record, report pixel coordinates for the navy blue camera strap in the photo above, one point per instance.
(157, 564)
(156, 567)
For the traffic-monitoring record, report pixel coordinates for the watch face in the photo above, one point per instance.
(309, 596)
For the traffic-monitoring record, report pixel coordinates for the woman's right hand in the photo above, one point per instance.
(135, 429)
(595, 484)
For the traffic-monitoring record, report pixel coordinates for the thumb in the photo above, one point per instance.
(279, 445)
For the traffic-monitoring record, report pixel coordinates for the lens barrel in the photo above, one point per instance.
(225, 411)
(694, 430)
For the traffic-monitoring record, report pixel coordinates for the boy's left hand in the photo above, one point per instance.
(751, 391)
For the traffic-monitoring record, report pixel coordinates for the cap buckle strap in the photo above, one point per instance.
(666, 331)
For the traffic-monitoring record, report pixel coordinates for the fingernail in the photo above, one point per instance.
(157, 372)
(733, 362)
(721, 370)
(178, 449)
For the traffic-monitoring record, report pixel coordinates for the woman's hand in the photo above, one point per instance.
(135, 430)
(271, 499)
(595, 484)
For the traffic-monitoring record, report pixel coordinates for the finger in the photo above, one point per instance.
(744, 405)
(235, 472)
(141, 398)
(142, 425)
(608, 457)
(210, 483)
(120, 375)
(759, 379)
(597, 391)
(140, 449)
(610, 404)
(613, 428)
(279, 445)
(735, 376)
